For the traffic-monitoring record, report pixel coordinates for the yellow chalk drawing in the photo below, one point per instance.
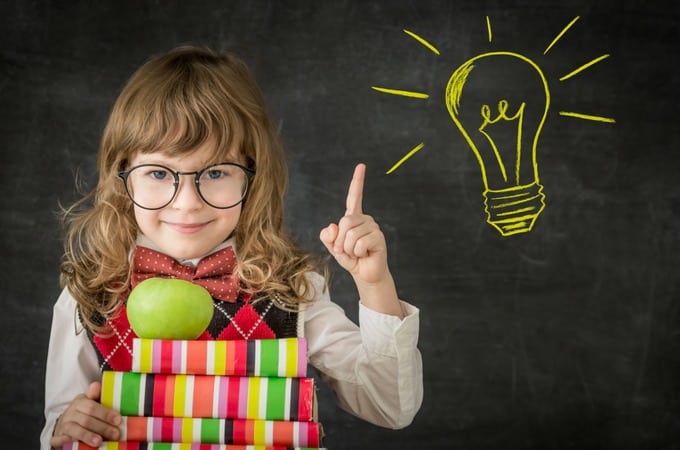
(407, 156)
(512, 203)
(488, 28)
(559, 35)
(422, 41)
(583, 67)
(587, 117)
(400, 92)
(492, 99)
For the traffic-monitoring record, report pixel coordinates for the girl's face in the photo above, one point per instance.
(188, 227)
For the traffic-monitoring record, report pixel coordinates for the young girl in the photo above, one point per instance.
(190, 169)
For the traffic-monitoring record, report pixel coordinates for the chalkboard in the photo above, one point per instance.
(563, 335)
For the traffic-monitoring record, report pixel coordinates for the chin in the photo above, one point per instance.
(186, 253)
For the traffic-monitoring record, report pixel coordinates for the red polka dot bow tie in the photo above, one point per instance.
(215, 272)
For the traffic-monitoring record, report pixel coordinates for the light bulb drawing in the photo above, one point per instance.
(499, 102)
(501, 120)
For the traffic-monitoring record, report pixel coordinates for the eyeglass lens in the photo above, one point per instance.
(153, 187)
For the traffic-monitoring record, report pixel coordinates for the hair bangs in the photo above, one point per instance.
(178, 124)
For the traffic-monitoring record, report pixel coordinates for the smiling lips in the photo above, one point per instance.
(187, 228)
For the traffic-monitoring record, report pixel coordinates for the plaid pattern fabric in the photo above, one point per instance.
(242, 319)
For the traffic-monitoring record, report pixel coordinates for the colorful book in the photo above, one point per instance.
(260, 357)
(206, 396)
(220, 431)
(172, 446)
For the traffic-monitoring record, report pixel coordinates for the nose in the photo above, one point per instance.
(187, 196)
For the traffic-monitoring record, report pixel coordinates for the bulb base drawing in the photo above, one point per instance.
(514, 210)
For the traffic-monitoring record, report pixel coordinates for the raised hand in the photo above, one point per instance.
(358, 245)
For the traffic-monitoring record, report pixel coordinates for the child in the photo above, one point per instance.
(190, 168)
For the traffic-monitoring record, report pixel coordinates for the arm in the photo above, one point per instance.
(382, 363)
(71, 379)
(374, 370)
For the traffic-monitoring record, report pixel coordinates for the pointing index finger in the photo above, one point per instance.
(356, 190)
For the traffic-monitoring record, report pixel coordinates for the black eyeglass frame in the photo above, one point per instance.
(123, 175)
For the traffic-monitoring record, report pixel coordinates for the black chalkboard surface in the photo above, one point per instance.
(563, 336)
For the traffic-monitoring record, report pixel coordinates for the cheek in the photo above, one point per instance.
(229, 218)
(145, 219)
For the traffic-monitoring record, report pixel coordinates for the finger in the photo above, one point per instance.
(91, 423)
(328, 236)
(344, 225)
(62, 439)
(349, 224)
(87, 428)
(86, 412)
(370, 244)
(78, 428)
(96, 409)
(356, 190)
(352, 237)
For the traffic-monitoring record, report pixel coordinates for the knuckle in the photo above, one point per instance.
(64, 427)
(89, 408)
(344, 222)
(351, 235)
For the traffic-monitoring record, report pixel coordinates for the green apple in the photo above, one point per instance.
(169, 308)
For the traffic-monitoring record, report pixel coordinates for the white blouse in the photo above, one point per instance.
(374, 369)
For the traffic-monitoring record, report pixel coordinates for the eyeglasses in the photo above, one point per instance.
(152, 186)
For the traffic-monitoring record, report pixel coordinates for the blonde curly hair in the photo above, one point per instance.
(176, 102)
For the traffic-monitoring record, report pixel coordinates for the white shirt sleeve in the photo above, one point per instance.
(71, 364)
(375, 370)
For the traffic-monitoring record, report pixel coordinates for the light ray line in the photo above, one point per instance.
(584, 67)
(407, 156)
(432, 48)
(488, 28)
(587, 117)
(400, 92)
(557, 38)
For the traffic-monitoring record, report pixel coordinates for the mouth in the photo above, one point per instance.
(187, 228)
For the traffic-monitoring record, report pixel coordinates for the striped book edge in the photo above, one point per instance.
(205, 396)
(221, 431)
(285, 357)
(174, 446)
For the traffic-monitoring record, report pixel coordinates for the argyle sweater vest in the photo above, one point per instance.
(242, 319)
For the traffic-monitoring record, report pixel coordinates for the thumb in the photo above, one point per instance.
(94, 391)
(328, 236)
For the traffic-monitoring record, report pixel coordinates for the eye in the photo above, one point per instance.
(215, 174)
(159, 174)
(155, 174)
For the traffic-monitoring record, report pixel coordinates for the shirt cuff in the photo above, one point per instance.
(388, 335)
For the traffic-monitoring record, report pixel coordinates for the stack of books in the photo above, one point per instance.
(213, 395)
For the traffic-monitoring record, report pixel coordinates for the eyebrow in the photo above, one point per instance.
(173, 166)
